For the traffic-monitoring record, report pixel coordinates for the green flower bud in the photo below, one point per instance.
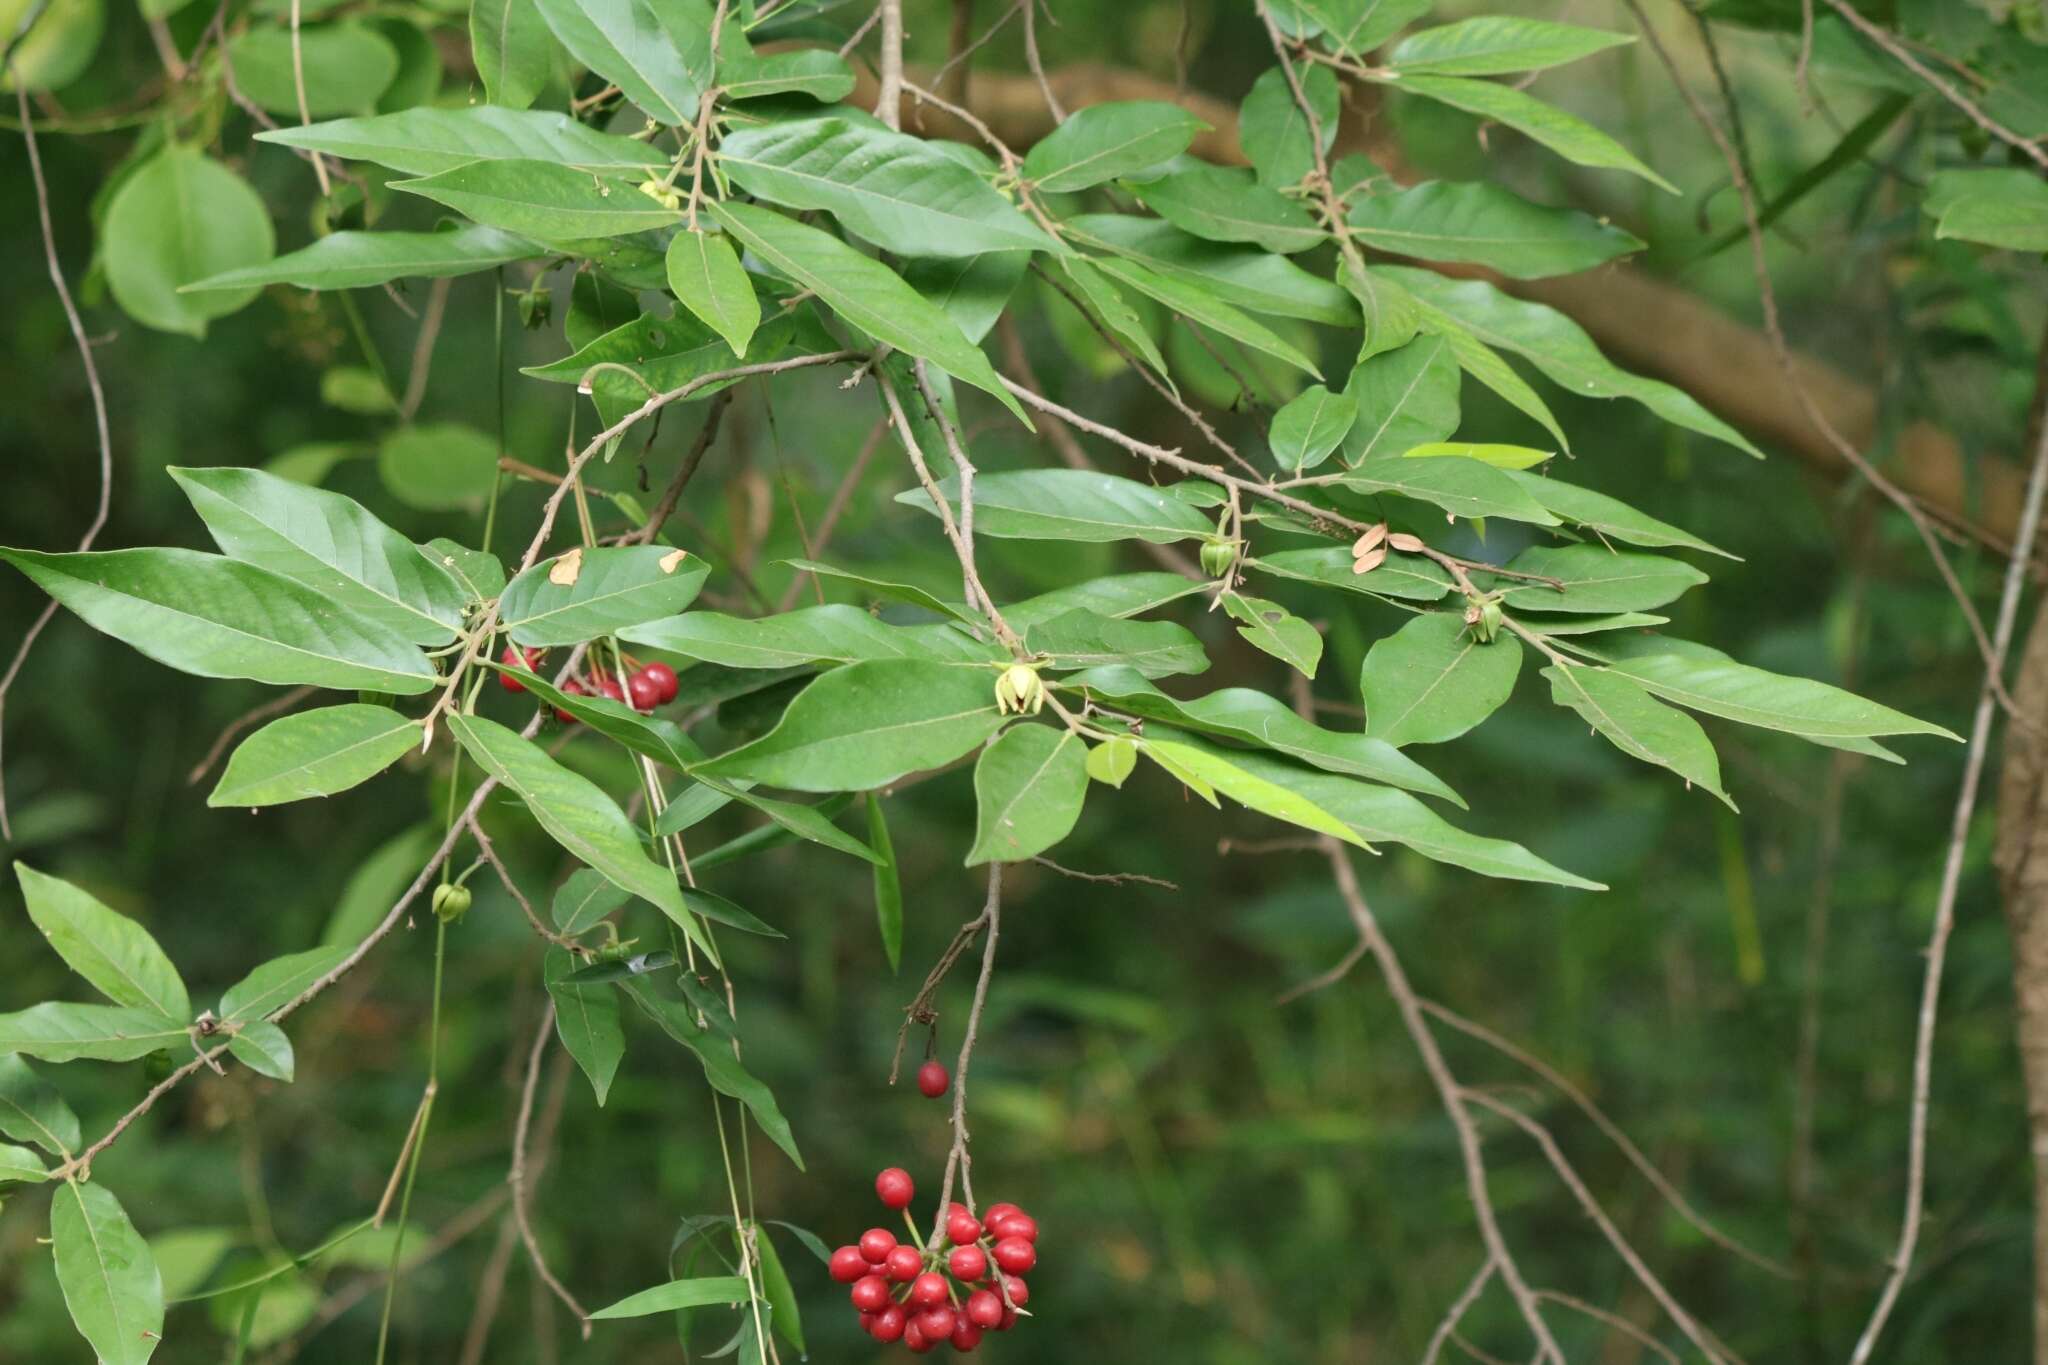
(1218, 556)
(451, 902)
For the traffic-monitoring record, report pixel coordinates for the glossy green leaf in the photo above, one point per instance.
(1409, 578)
(428, 141)
(1486, 224)
(1597, 580)
(1210, 770)
(1432, 680)
(1463, 488)
(1119, 595)
(822, 75)
(58, 48)
(219, 618)
(1083, 639)
(864, 292)
(971, 290)
(1607, 517)
(263, 1047)
(543, 199)
(109, 1279)
(1243, 277)
(1485, 452)
(888, 883)
(513, 49)
(833, 633)
(1103, 302)
(658, 52)
(2002, 207)
(1028, 789)
(1405, 397)
(888, 188)
(360, 260)
(1227, 204)
(1071, 504)
(1275, 133)
(1638, 724)
(1197, 304)
(31, 1110)
(443, 466)
(331, 544)
(1498, 44)
(706, 276)
(1311, 425)
(867, 724)
(1570, 136)
(179, 218)
(19, 1164)
(1279, 632)
(64, 1032)
(1104, 141)
(315, 753)
(278, 982)
(587, 1022)
(345, 67)
(584, 899)
(583, 594)
(116, 955)
(666, 1298)
(721, 1068)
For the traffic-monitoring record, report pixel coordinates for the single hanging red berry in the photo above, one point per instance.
(1019, 1292)
(848, 1265)
(962, 1228)
(903, 1264)
(994, 1212)
(870, 1294)
(915, 1339)
(967, 1263)
(938, 1322)
(928, 1291)
(1014, 1255)
(876, 1244)
(608, 686)
(1015, 1225)
(932, 1080)
(643, 691)
(664, 679)
(895, 1188)
(985, 1308)
(888, 1325)
(966, 1336)
(514, 657)
(574, 688)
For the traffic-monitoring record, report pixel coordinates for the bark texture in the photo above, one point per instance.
(2022, 858)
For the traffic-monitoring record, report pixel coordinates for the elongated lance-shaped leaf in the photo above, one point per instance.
(1226, 204)
(513, 49)
(111, 951)
(1638, 724)
(587, 1022)
(276, 983)
(888, 884)
(1074, 505)
(1244, 277)
(58, 1031)
(544, 199)
(1104, 141)
(677, 1294)
(361, 260)
(585, 593)
(1197, 303)
(1462, 487)
(721, 1068)
(834, 633)
(658, 52)
(1570, 136)
(1498, 44)
(1596, 580)
(424, 141)
(706, 276)
(315, 753)
(1486, 224)
(110, 1280)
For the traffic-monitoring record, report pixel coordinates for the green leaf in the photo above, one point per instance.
(1243, 277)
(666, 1298)
(1354, 28)
(900, 592)
(2001, 207)
(579, 816)
(1071, 504)
(971, 290)
(1494, 45)
(115, 955)
(1273, 130)
(1596, 580)
(109, 1279)
(1463, 488)
(178, 218)
(1195, 303)
(345, 68)
(654, 355)
(1391, 314)
(443, 466)
(1487, 453)
(57, 48)
(263, 1048)
(587, 1022)
(543, 199)
(1638, 724)
(583, 594)
(63, 1032)
(888, 879)
(584, 899)
(721, 1068)
(1404, 398)
(1105, 141)
(276, 983)
(1607, 517)
(1233, 774)
(822, 75)
(513, 49)
(1245, 714)
(360, 260)
(781, 1294)
(1484, 364)
(331, 544)
(707, 278)
(1112, 761)
(864, 292)
(658, 52)
(722, 911)
(481, 575)
(31, 1110)
(1311, 425)
(1227, 204)
(1570, 136)
(1028, 789)
(867, 724)
(834, 633)
(1409, 578)
(1486, 224)
(890, 189)
(1559, 347)
(1431, 681)
(1083, 639)
(427, 141)
(1279, 632)
(218, 618)
(1107, 305)
(315, 753)
(22, 1165)
(1119, 595)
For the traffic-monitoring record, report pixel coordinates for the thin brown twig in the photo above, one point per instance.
(919, 1010)
(959, 1156)
(1456, 1312)
(490, 1293)
(1107, 878)
(276, 706)
(1032, 60)
(423, 349)
(1614, 1320)
(841, 496)
(489, 852)
(889, 95)
(714, 414)
(515, 1175)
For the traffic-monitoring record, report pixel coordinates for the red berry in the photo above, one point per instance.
(608, 686)
(938, 1323)
(1015, 1225)
(1018, 1291)
(528, 659)
(915, 1339)
(1009, 1320)
(967, 1263)
(895, 1188)
(994, 1212)
(876, 1244)
(643, 691)
(848, 1265)
(928, 1290)
(888, 1324)
(966, 1336)
(985, 1308)
(962, 1228)
(932, 1080)
(902, 1264)
(870, 1294)
(575, 688)
(664, 679)
(1013, 1254)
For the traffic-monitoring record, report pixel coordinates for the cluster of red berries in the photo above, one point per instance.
(899, 1288)
(647, 686)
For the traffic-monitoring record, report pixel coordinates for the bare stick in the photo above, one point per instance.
(1455, 1314)
(1108, 878)
(423, 349)
(490, 1292)
(1614, 1320)
(275, 706)
(305, 113)
(889, 96)
(992, 914)
(919, 1010)
(490, 855)
(1037, 66)
(836, 508)
(714, 414)
(515, 1176)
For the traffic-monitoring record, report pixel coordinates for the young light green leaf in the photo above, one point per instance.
(340, 68)
(1195, 303)
(1463, 488)
(1083, 639)
(658, 52)
(1409, 578)
(427, 140)
(543, 199)
(2001, 207)
(707, 278)
(1232, 774)
(1311, 425)
(112, 952)
(329, 543)
(21, 1165)
(1405, 397)
(1638, 724)
(513, 49)
(1570, 136)
(58, 1031)
(867, 724)
(315, 753)
(1071, 504)
(1273, 130)
(1279, 632)
(109, 1279)
(1431, 680)
(1243, 277)
(583, 594)
(218, 618)
(361, 260)
(1028, 789)
(263, 1047)
(888, 884)
(178, 218)
(31, 1110)
(1104, 141)
(1111, 761)
(1597, 580)
(886, 187)
(1496, 44)
(1608, 517)
(721, 1068)
(864, 292)
(1487, 453)
(971, 290)
(587, 1022)
(1226, 204)
(1486, 224)
(666, 1298)
(276, 983)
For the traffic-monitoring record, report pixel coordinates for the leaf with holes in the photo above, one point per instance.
(612, 589)
(1279, 632)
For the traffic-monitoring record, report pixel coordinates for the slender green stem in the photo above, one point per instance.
(419, 1143)
(498, 376)
(369, 349)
